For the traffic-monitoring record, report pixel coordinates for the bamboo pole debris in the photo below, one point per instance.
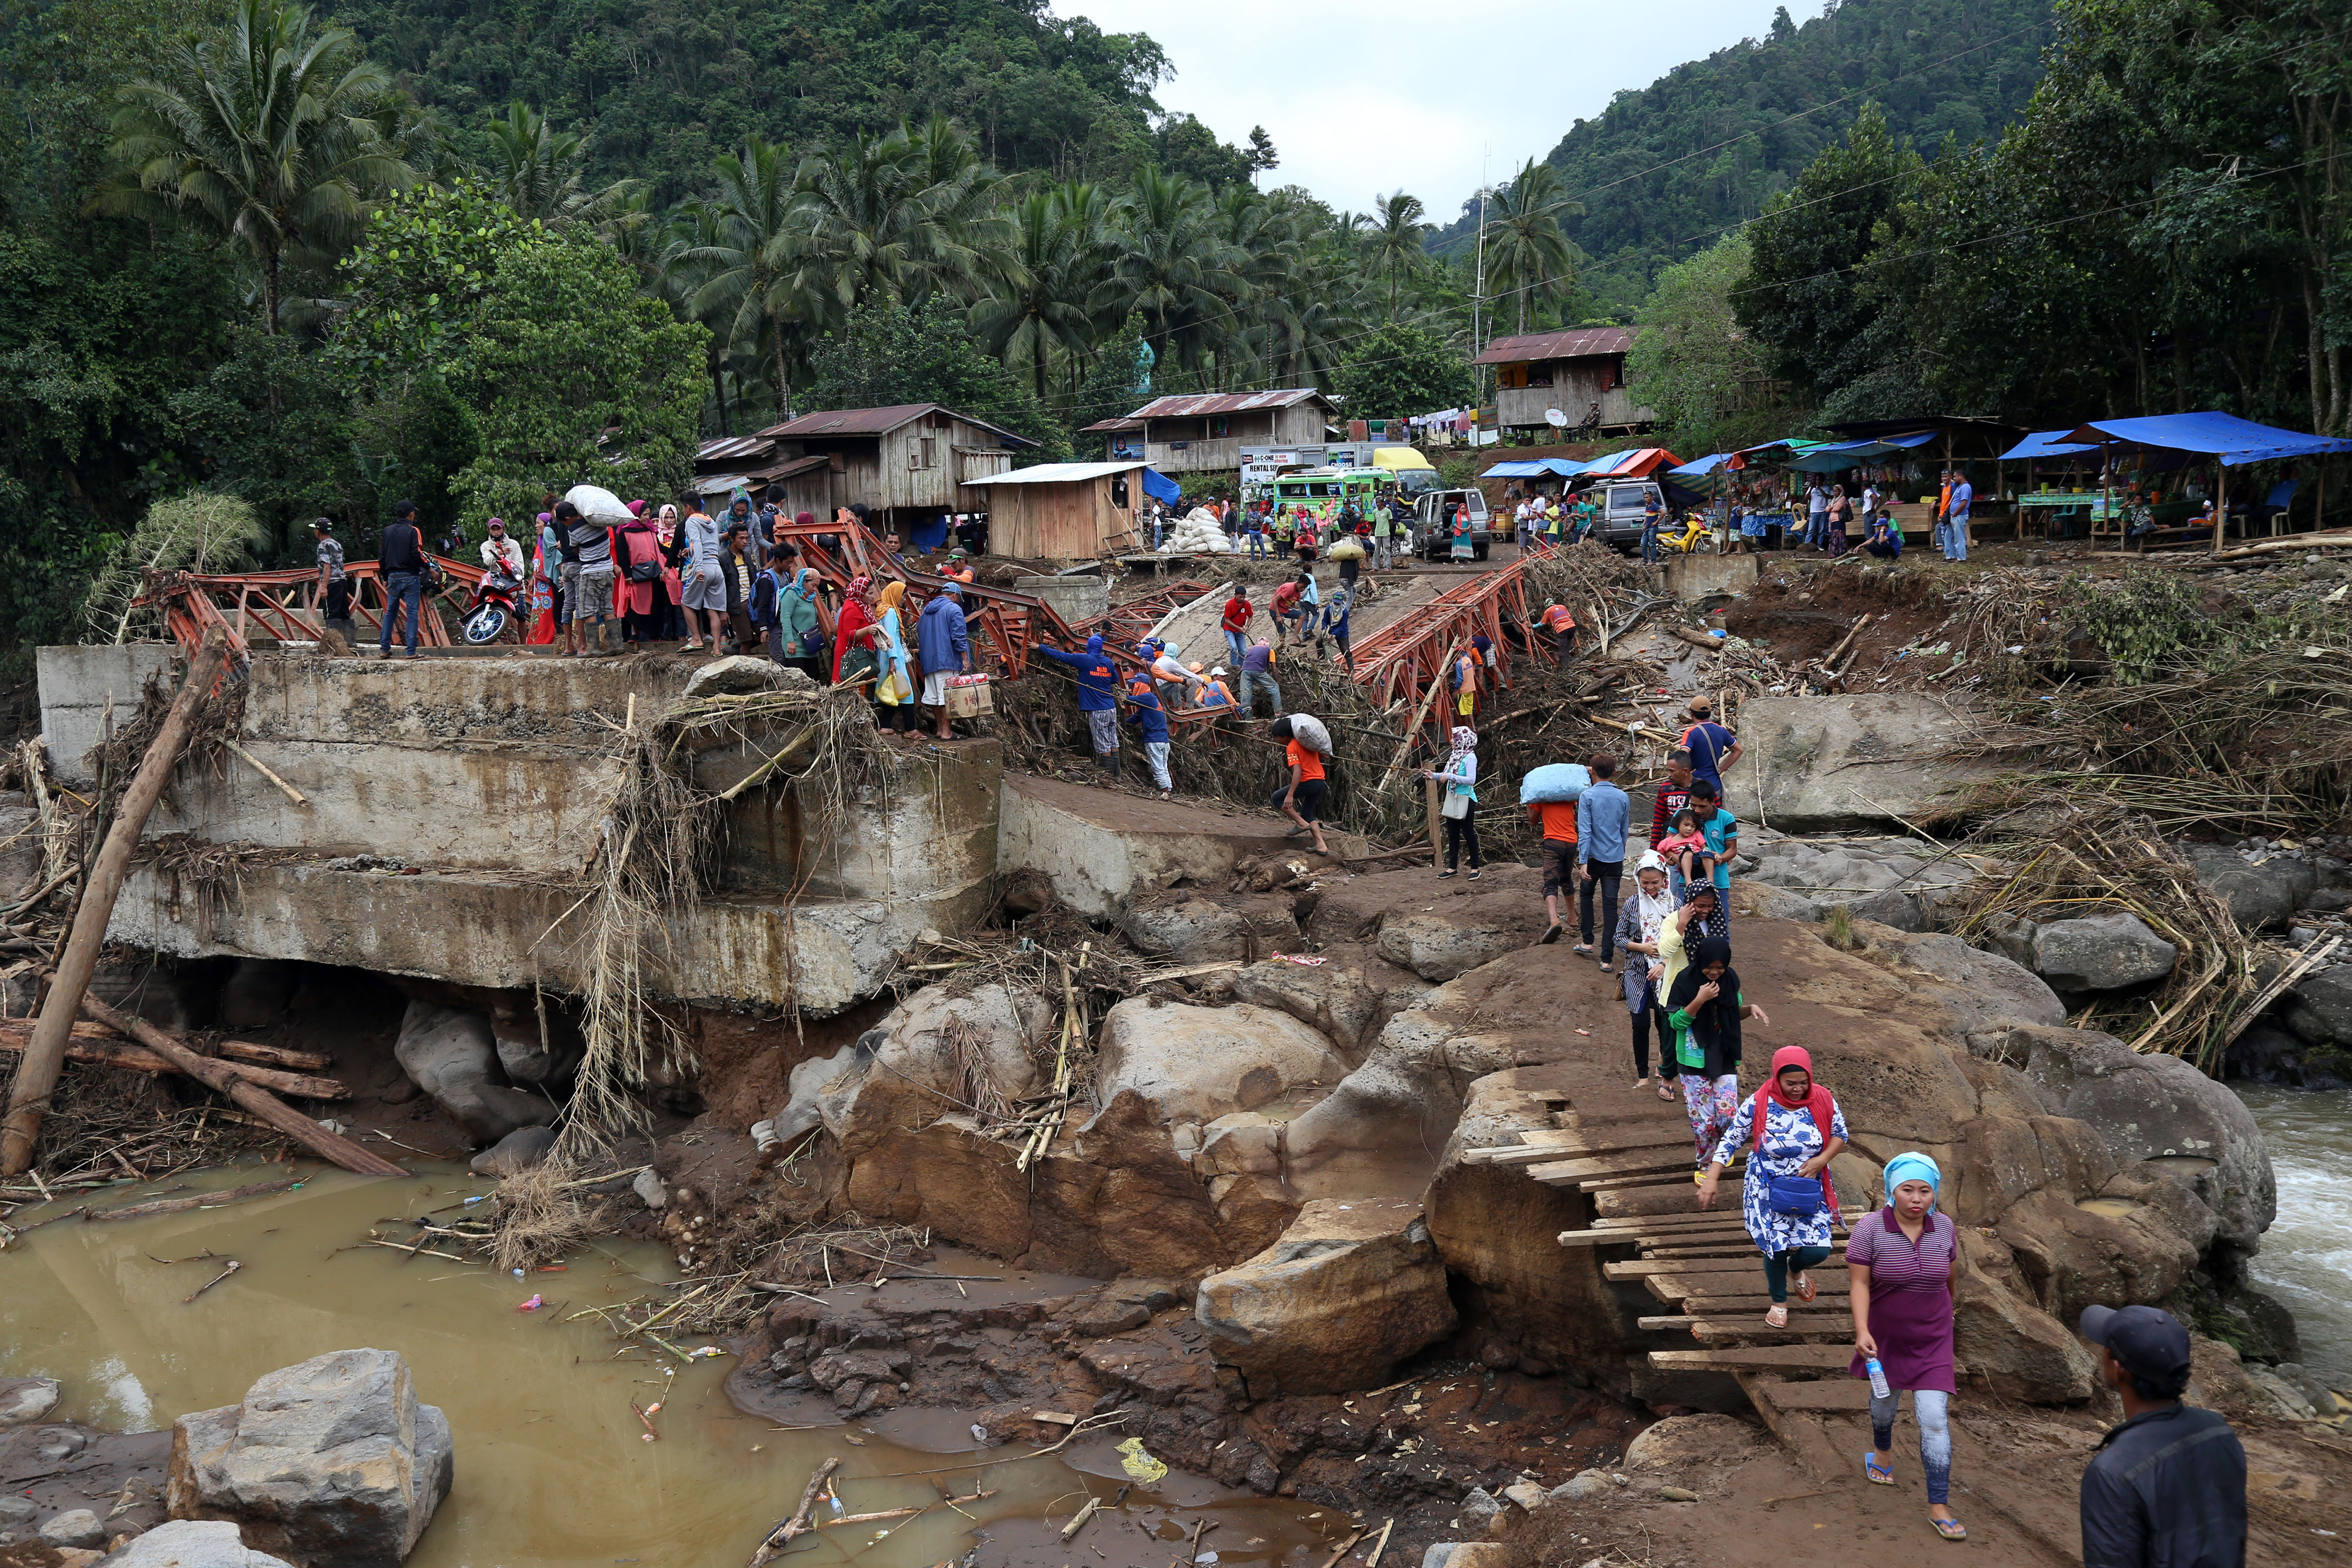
(97, 1045)
(798, 1524)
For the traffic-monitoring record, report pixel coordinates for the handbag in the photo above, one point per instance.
(1457, 806)
(1795, 1194)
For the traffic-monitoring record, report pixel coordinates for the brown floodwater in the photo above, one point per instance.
(553, 1468)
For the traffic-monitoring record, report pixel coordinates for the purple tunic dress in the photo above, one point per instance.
(1910, 1298)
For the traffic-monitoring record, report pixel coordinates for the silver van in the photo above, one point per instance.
(1432, 522)
(1623, 506)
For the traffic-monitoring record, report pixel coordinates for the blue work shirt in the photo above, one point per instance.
(1097, 676)
(1602, 813)
(939, 634)
(1149, 717)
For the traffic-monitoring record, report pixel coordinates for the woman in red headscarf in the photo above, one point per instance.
(1792, 1129)
(854, 633)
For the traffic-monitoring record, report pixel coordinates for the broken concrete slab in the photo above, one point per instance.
(1099, 847)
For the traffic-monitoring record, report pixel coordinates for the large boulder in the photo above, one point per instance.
(1188, 926)
(1195, 1064)
(1814, 763)
(2099, 1252)
(1387, 1119)
(2321, 1011)
(1349, 1291)
(2101, 953)
(190, 1543)
(742, 673)
(1331, 999)
(2001, 1339)
(2262, 894)
(933, 1053)
(452, 1055)
(2151, 1107)
(329, 1464)
(1442, 943)
(1980, 988)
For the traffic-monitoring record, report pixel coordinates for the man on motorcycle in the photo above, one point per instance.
(501, 554)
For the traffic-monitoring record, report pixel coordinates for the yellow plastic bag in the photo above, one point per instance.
(1140, 1466)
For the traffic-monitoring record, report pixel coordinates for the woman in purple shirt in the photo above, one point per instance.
(1902, 1259)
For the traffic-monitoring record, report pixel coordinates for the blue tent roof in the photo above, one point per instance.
(1160, 486)
(2046, 443)
(2211, 435)
(1534, 469)
(1700, 468)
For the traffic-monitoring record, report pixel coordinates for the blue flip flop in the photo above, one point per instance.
(1878, 1474)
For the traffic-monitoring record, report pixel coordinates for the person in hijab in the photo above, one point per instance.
(852, 633)
(636, 562)
(1791, 1129)
(1705, 1010)
(673, 547)
(797, 638)
(1900, 1262)
(1641, 921)
(894, 692)
(1098, 680)
(1681, 934)
(1459, 778)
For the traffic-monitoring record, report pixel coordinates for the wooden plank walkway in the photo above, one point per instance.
(1704, 1269)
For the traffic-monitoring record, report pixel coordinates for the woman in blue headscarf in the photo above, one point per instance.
(1901, 1260)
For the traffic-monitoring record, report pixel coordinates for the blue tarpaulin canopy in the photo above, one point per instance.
(1534, 468)
(2046, 443)
(1700, 468)
(2209, 435)
(1160, 486)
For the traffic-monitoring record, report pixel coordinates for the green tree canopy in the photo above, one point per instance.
(573, 375)
(1710, 381)
(1401, 370)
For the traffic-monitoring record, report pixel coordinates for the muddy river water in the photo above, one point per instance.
(553, 1468)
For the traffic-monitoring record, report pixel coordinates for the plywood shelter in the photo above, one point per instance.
(1061, 511)
(1577, 373)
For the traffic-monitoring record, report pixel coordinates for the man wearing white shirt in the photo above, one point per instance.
(501, 554)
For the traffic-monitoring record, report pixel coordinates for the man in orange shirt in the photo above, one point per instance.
(1302, 798)
(1557, 819)
(1557, 620)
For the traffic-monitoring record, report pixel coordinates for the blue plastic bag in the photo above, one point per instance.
(1554, 784)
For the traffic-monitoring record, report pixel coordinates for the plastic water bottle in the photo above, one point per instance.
(1878, 1389)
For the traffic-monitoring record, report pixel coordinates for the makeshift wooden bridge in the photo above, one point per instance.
(1703, 1269)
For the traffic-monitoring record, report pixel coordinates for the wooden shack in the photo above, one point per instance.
(1578, 373)
(1059, 512)
(1192, 433)
(906, 464)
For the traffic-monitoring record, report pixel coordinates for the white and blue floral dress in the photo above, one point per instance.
(1790, 1139)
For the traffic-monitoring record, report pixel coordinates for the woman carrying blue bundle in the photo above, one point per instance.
(1901, 1260)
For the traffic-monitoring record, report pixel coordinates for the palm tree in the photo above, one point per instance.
(1399, 242)
(746, 265)
(542, 172)
(1527, 256)
(1169, 265)
(1059, 251)
(265, 133)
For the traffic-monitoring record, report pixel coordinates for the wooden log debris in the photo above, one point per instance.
(36, 1076)
(195, 1201)
(100, 1047)
(224, 1077)
(798, 1524)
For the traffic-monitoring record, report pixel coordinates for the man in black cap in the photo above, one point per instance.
(2168, 1487)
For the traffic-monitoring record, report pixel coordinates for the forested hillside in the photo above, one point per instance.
(1664, 169)
(661, 87)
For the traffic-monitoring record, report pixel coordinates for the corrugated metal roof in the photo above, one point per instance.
(1058, 473)
(730, 448)
(1108, 427)
(874, 422)
(1191, 403)
(1572, 342)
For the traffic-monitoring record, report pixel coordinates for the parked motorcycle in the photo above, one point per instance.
(492, 611)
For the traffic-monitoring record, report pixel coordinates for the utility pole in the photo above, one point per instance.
(1478, 286)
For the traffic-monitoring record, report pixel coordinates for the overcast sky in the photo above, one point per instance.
(1381, 95)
